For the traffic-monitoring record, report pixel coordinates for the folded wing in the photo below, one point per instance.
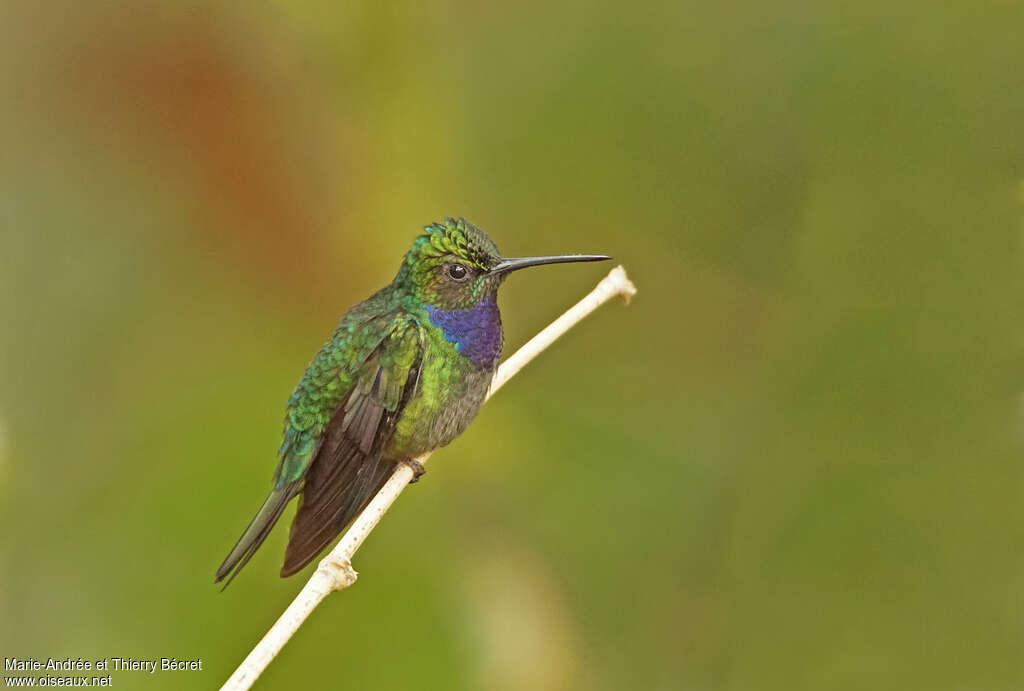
(348, 468)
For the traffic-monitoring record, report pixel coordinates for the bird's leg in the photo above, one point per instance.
(417, 469)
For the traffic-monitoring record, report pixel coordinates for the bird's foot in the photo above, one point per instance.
(417, 469)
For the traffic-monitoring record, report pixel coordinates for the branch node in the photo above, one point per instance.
(338, 572)
(623, 286)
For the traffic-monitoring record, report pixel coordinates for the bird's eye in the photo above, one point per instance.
(457, 272)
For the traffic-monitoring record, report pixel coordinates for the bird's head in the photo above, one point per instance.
(454, 265)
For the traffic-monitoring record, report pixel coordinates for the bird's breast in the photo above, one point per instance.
(459, 359)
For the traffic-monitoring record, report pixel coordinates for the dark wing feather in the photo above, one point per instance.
(348, 470)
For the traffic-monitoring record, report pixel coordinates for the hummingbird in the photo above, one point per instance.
(404, 372)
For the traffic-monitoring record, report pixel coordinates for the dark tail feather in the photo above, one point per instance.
(257, 532)
(312, 530)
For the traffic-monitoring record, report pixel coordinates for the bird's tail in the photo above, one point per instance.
(257, 531)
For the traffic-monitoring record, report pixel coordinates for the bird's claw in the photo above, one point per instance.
(417, 469)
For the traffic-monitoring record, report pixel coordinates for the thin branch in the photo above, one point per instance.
(335, 571)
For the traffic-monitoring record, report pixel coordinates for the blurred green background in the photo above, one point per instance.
(794, 462)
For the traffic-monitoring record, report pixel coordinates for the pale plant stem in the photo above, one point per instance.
(335, 571)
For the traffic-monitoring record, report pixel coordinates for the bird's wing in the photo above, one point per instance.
(326, 384)
(347, 469)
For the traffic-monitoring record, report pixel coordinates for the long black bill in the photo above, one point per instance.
(516, 263)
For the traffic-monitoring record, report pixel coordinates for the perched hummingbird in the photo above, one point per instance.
(404, 373)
